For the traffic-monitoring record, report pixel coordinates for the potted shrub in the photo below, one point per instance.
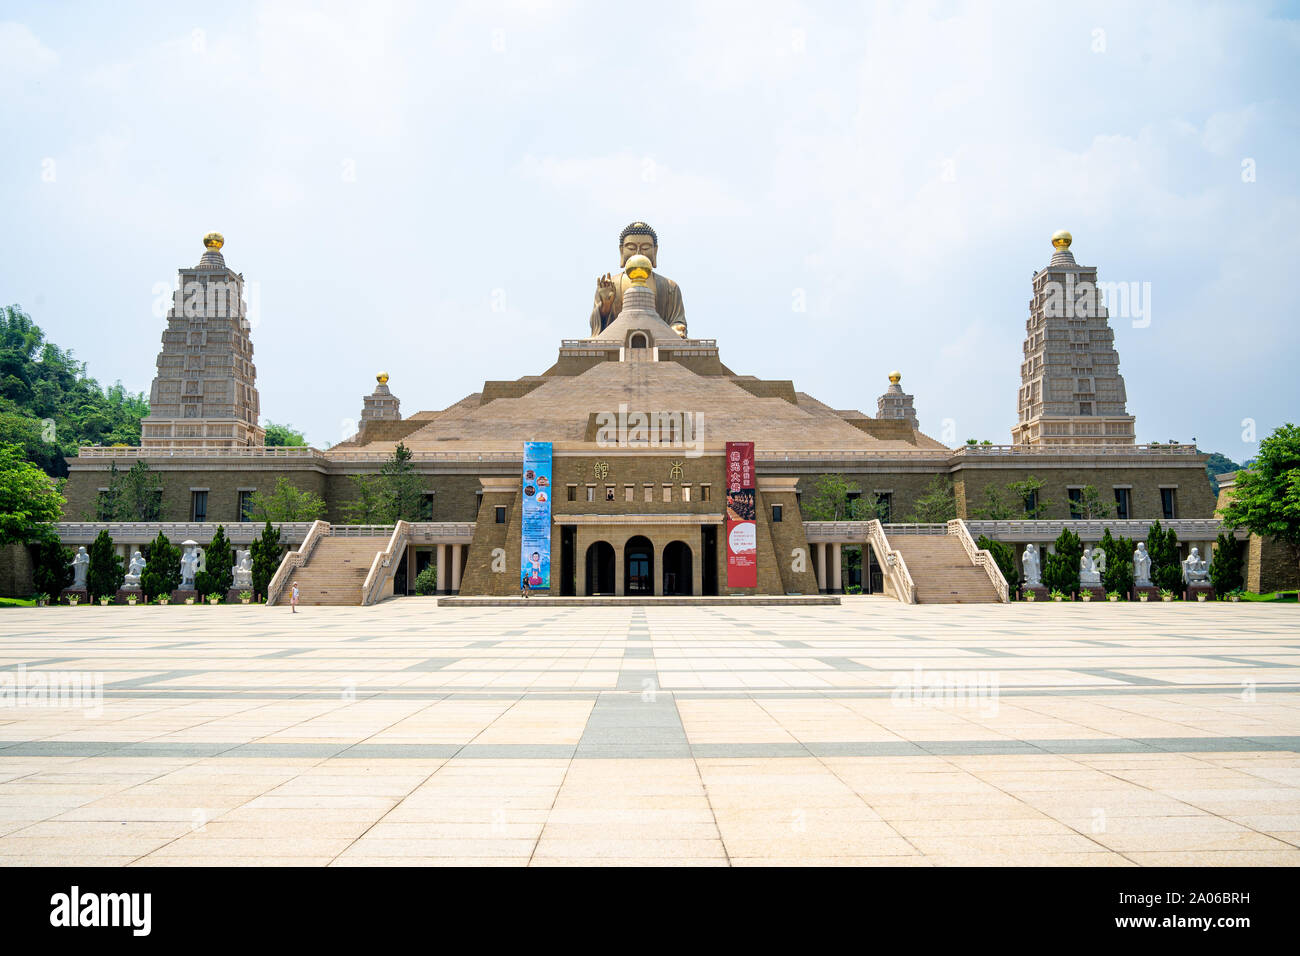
(214, 599)
(1057, 595)
(189, 600)
(1234, 595)
(1166, 594)
(1200, 597)
(103, 600)
(245, 597)
(72, 600)
(1085, 595)
(1029, 596)
(164, 599)
(1142, 596)
(42, 600)
(1112, 595)
(130, 600)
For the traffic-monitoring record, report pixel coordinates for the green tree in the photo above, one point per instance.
(995, 507)
(828, 500)
(132, 495)
(936, 504)
(1091, 504)
(403, 487)
(1061, 568)
(162, 569)
(217, 558)
(282, 435)
(1118, 575)
(369, 506)
(1265, 499)
(1005, 556)
(265, 552)
(1217, 465)
(1226, 565)
(51, 567)
(1166, 567)
(30, 502)
(287, 502)
(426, 582)
(1029, 491)
(105, 574)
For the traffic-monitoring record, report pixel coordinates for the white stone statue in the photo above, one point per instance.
(189, 565)
(132, 580)
(80, 564)
(1099, 561)
(1195, 570)
(241, 575)
(1141, 567)
(1088, 573)
(201, 558)
(1033, 570)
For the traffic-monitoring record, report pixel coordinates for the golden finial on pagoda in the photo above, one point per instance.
(895, 377)
(638, 269)
(382, 378)
(1062, 239)
(214, 241)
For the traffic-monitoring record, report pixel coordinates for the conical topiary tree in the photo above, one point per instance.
(266, 558)
(162, 569)
(1118, 575)
(1226, 565)
(105, 573)
(1061, 568)
(217, 578)
(1166, 568)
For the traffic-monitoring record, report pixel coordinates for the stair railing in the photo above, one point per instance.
(383, 567)
(892, 564)
(980, 557)
(294, 560)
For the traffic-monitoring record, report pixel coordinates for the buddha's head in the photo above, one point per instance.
(638, 239)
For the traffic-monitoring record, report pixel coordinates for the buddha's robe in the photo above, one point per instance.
(668, 301)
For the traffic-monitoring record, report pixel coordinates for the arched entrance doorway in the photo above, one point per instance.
(600, 568)
(638, 566)
(677, 569)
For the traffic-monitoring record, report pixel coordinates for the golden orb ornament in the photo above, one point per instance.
(1062, 239)
(895, 377)
(638, 269)
(382, 378)
(214, 241)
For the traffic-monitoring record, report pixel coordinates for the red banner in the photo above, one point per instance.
(742, 515)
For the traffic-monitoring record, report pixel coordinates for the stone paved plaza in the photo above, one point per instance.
(1110, 735)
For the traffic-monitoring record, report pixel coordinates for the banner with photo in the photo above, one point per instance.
(742, 515)
(535, 554)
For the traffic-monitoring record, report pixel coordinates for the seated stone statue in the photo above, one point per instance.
(241, 575)
(132, 580)
(1033, 571)
(1088, 574)
(637, 239)
(1141, 566)
(1195, 570)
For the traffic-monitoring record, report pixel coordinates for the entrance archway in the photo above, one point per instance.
(677, 569)
(638, 566)
(600, 568)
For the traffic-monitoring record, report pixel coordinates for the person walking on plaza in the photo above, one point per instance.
(293, 598)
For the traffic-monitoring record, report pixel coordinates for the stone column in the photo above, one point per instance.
(820, 552)
(440, 557)
(455, 569)
(579, 562)
(837, 573)
(618, 571)
(697, 571)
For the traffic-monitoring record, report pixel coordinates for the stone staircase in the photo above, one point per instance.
(943, 572)
(335, 570)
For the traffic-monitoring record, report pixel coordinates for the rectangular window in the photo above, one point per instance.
(1076, 502)
(1085, 408)
(884, 506)
(198, 506)
(591, 492)
(668, 494)
(573, 492)
(629, 493)
(853, 501)
(246, 505)
(609, 492)
(686, 492)
(1121, 503)
(501, 514)
(649, 493)
(1169, 502)
(776, 513)
(101, 506)
(706, 492)
(426, 506)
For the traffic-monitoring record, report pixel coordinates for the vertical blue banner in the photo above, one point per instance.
(535, 555)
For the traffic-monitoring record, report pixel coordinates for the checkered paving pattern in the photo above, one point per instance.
(869, 733)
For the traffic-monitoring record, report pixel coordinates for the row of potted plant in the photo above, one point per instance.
(245, 597)
(1165, 595)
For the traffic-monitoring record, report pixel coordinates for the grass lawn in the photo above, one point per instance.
(17, 602)
(1275, 596)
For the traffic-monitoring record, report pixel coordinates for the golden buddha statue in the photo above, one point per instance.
(637, 239)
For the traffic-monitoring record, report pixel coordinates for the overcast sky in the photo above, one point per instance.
(431, 190)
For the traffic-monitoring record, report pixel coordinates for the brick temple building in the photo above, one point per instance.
(638, 416)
